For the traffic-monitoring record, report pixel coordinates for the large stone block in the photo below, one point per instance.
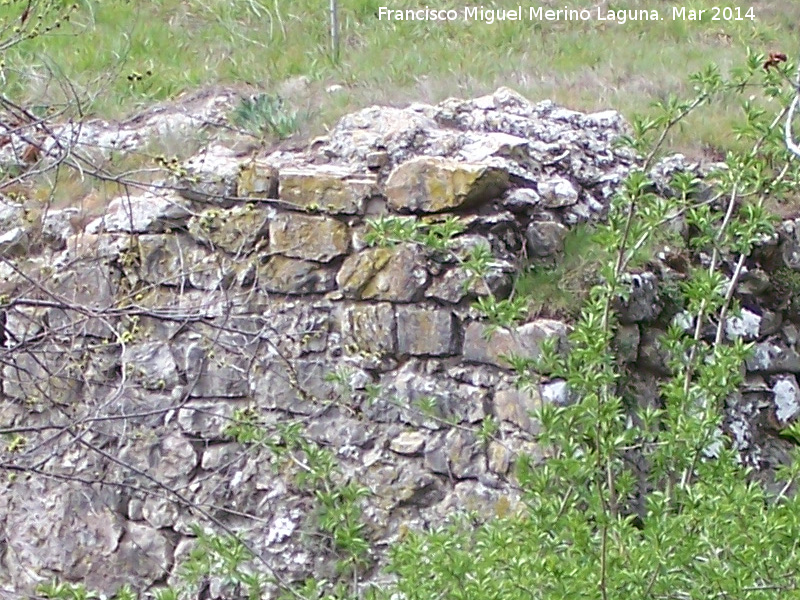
(237, 230)
(145, 213)
(257, 179)
(426, 331)
(433, 184)
(308, 237)
(525, 341)
(369, 328)
(401, 279)
(294, 276)
(326, 188)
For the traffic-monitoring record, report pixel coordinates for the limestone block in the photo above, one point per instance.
(402, 279)
(151, 364)
(212, 371)
(455, 454)
(358, 270)
(369, 328)
(408, 442)
(145, 213)
(237, 230)
(426, 331)
(308, 237)
(786, 398)
(295, 276)
(524, 340)
(210, 176)
(166, 260)
(433, 184)
(327, 188)
(257, 179)
(515, 406)
(557, 192)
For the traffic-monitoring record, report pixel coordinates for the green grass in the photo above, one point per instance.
(558, 291)
(123, 54)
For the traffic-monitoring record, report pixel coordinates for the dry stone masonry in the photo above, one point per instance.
(245, 288)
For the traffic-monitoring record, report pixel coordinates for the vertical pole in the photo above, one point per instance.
(335, 30)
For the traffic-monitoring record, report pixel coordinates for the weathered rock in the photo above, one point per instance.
(521, 199)
(237, 230)
(746, 326)
(165, 260)
(426, 331)
(146, 213)
(787, 398)
(643, 303)
(401, 277)
(369, 328)
(15, 242)
(57, 226)
(211, 176)
(311, 238)
(151, 364)
(211, 371)
(556, 392)
(454, 454)
(257, 179)
(557, 192)
(545, 238)
(408, 442)
(516, 406)
(498, 458)
(294, 276)
(434, 184)
(626, 343)
(326, 188)
(524, 341)
(652, 355)
(773, 357)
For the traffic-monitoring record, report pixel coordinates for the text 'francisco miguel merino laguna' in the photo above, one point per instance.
(540, 13)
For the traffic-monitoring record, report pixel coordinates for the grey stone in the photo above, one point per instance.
(426, 331)
(308, 237)
(211, 176)
(238, 230)
(786, 397)
(643, 303)
(159, 513)
(545, 238)
(220, 455)
(15, 242)
(652, 355)
(746, 326)
(626, 343)
(521, 199)
(557, 192)
(325, 187)
(455, 454)
(294, 276)
(145, 213)
(369, 328)
(401, 279)
(516, 406)
(771, 357)
(524, 340)
(433, 184)
(408, 442)
(151, 364)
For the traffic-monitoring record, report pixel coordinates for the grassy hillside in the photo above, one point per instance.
(121, 54)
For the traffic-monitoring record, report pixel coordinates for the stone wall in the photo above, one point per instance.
(243, 288)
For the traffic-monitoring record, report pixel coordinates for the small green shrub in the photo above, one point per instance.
(265, 115)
